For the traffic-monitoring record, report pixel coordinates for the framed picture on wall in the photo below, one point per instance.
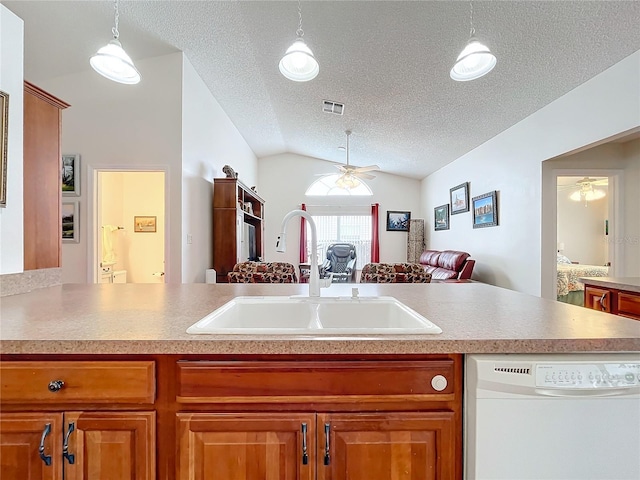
(398, 221)
(485, 210)
(441, 217)
(459, 197)
(71, 175)
(71, 222)
(144, 224)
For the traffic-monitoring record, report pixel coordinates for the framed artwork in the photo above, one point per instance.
(398, 221)
(459, 197)
(144, 224)
(71, 175)
(4, 137)
(485, 210)
(71, 222)
(441, 217)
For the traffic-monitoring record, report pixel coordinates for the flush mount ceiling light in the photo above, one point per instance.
(298, 63)
(475, 60)
(112, 62)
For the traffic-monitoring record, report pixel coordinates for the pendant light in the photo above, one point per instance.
(112, 62)
(298, 63)
(475, 60)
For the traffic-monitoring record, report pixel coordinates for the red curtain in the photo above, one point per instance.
(303, 236)
(375, 239)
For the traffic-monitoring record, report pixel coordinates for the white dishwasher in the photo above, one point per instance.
(552, 417)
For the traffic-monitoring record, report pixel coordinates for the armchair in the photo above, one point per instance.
(340, 263)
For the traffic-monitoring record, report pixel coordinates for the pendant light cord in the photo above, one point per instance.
(472, 30)
(114, 30)
(299, 32)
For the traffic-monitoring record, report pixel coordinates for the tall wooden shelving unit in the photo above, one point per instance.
(42, 178)
(230, 196)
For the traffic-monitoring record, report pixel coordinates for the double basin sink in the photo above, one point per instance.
(281, 315)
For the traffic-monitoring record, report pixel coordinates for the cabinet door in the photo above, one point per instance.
(628, 305)
(245, 446)
(21, 435)
(111, 446)
(389, 446)
(597, 299)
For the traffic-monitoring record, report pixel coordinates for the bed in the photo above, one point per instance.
(570, 289)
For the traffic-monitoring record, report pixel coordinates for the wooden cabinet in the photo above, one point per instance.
(238, 225)
(323, 446)
(45, 435)
(245, 446)
(42, 178)
(375, 420)
(612, 300)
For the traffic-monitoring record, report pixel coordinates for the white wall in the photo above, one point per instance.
(115, 126)
(209, 141)
(11, 82)
(582, 228)
(284, 180)
(510, 254)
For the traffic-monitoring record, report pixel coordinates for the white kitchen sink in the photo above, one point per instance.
(314, 316)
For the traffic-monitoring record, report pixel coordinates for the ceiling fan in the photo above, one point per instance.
(351, 175)
(584, 189)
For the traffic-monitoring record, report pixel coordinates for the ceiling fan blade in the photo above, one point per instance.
(368, 168)
(342, 168)
(368, 176)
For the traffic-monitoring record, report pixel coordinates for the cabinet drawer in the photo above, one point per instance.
(629, 305)
(315, 382)
(92, 382)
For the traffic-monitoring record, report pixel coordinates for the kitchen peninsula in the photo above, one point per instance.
(97, 363)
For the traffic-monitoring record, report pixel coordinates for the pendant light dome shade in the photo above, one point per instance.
(298, 63)
(112, 62)
(474, 61)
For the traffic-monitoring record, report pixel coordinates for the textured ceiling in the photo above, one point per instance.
(388, 62)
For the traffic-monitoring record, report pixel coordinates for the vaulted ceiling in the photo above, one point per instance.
(388, 62)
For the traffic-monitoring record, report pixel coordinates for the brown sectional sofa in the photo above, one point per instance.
(447, 264)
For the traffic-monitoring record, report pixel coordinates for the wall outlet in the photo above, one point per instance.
(189, 239)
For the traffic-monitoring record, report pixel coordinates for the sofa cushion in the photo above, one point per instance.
(430, 257)
(452, 260)
(394, 273)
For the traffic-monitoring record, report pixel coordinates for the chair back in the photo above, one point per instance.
(263, 272)
(341, 262)
(394, 273)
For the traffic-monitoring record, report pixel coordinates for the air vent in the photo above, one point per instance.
(332, 107)
(517, 370)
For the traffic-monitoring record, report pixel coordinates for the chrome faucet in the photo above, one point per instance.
(281, 246)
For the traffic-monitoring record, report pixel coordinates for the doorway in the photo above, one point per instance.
(130, 227)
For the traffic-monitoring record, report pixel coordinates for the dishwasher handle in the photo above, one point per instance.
(587, 393)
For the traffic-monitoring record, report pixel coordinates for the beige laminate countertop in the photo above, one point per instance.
(152, 319)
(629, 284)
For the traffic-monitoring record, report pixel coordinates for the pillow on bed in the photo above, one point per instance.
(563, 259)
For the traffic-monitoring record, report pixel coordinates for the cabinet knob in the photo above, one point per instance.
(439, 383)
(55, 385)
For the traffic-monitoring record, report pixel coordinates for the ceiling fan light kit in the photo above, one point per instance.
(586, 192)
(112, 62)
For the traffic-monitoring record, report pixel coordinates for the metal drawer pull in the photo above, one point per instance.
(55, 385)
(305, 457)
(71, 458)
(327, 458)
(602, 298)
(45, 458)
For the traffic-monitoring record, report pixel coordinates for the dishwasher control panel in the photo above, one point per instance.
(588, 375)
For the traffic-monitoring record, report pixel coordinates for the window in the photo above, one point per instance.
(326, 185)
(354, 229)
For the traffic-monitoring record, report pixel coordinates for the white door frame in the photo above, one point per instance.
(616, 226)
(93, 220)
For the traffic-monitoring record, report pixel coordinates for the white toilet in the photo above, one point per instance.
(120, 276)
